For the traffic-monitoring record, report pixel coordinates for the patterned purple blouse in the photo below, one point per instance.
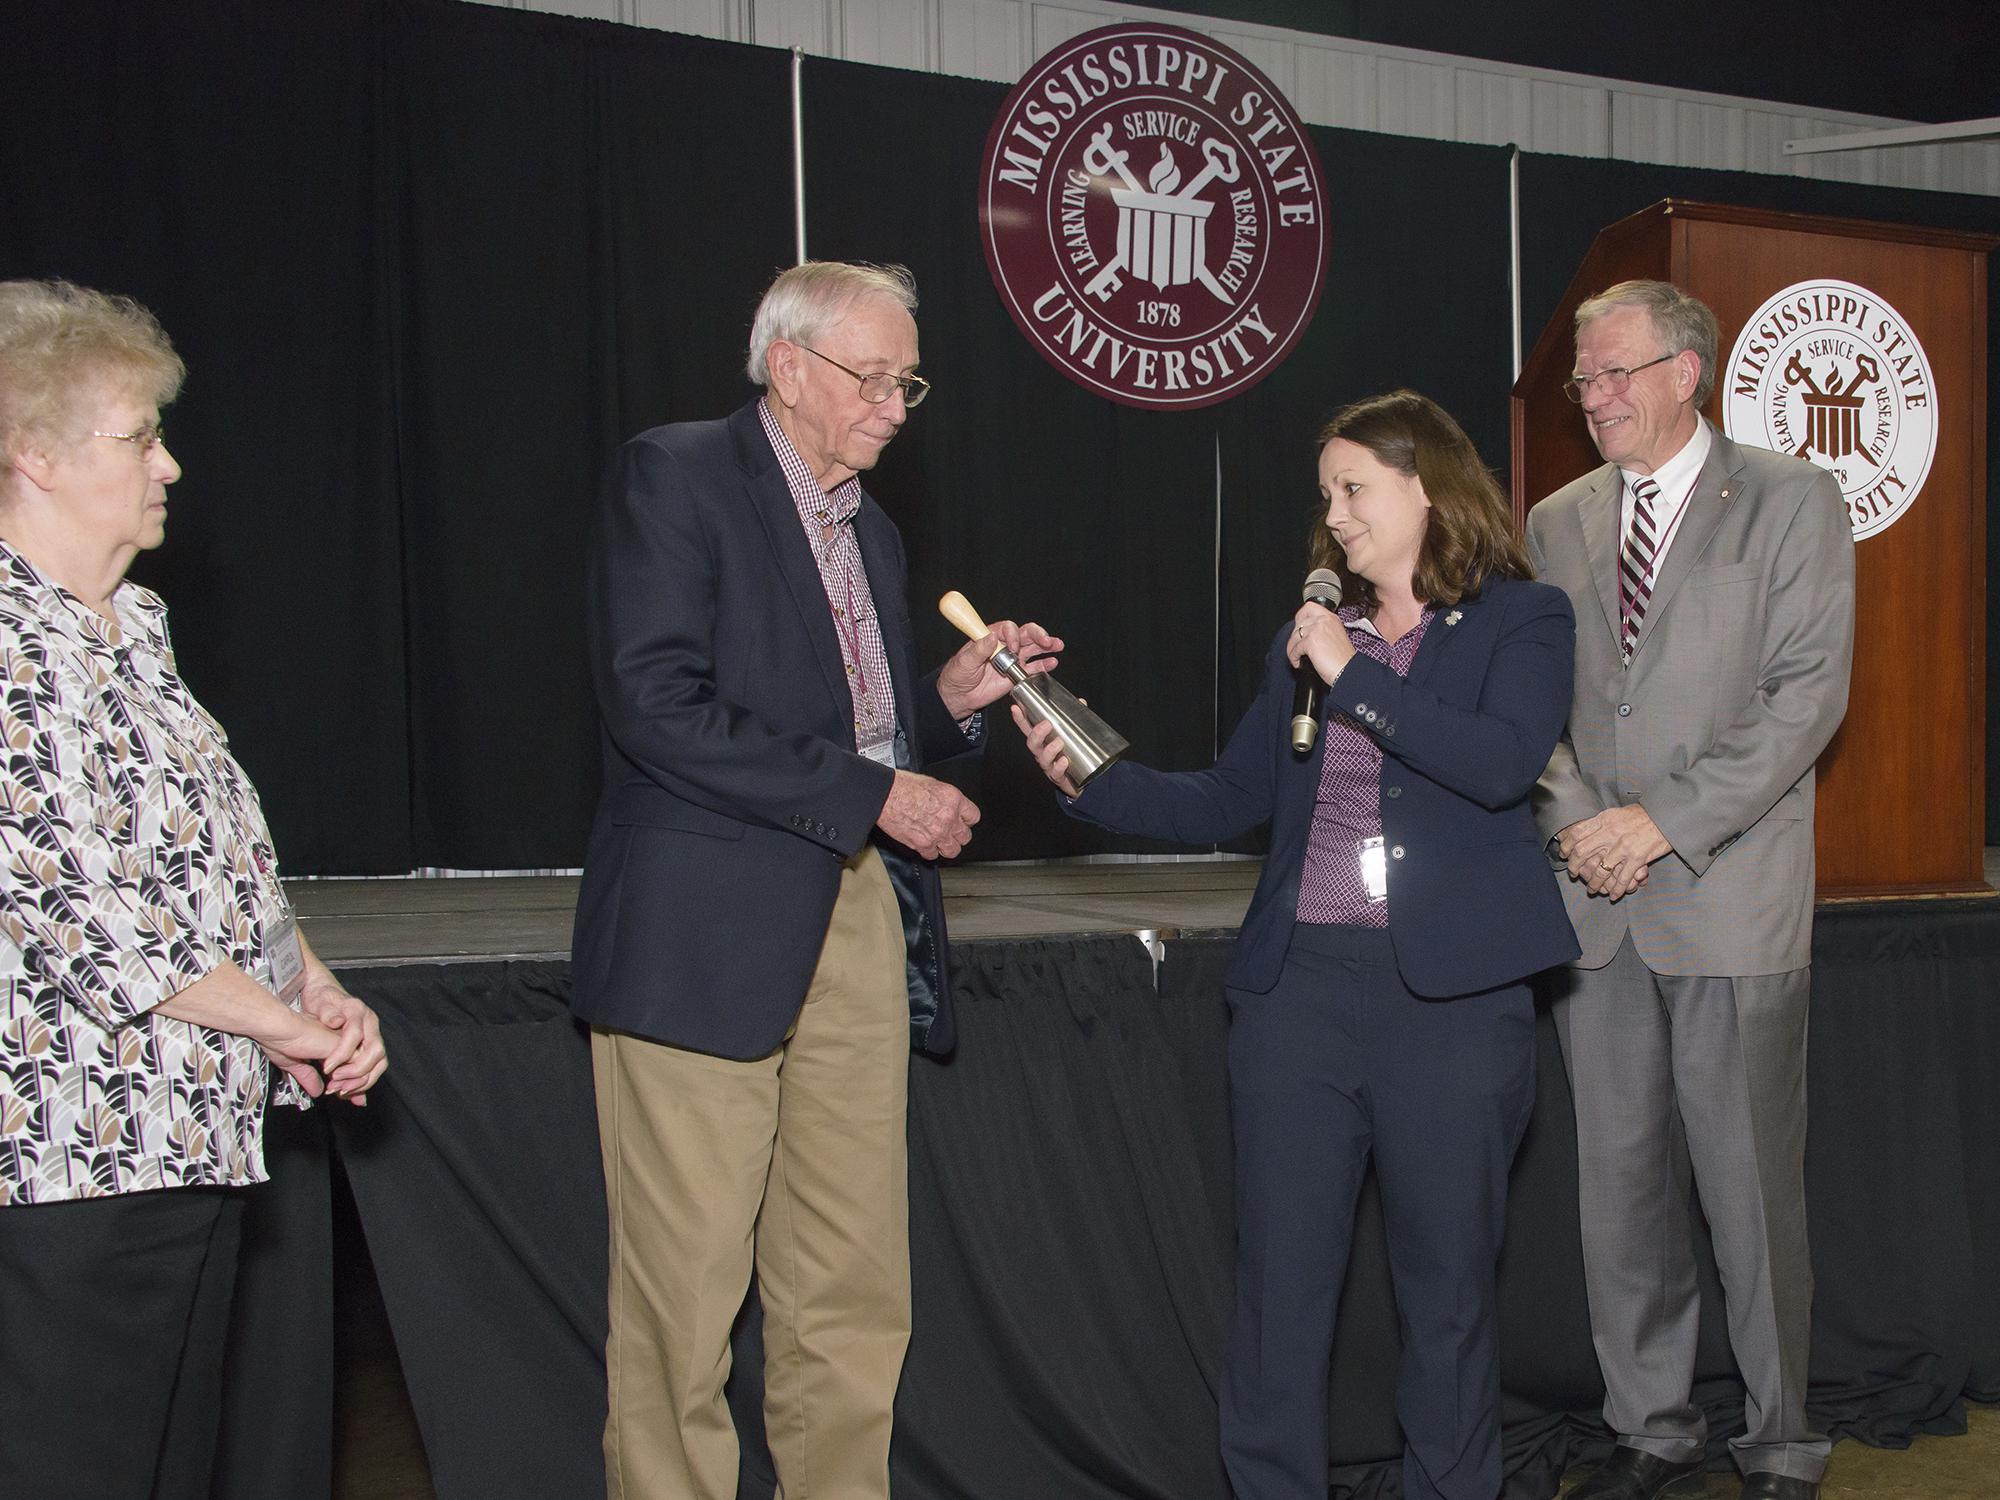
(1348, 808)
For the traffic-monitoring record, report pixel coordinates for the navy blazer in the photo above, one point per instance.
(733, 793)
(1473, 902)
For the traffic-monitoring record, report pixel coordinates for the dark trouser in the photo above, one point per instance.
(1337, 1062)
(113, 1317)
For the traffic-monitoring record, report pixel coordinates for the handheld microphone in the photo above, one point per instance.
(1322, 588)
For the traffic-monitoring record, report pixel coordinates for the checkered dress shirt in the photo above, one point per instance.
(828, 519)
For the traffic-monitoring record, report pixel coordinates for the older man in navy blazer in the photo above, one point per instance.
(759, 927)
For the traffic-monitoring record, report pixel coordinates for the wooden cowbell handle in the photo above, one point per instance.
(958, 609)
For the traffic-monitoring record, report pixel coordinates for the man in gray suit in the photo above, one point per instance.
(1714, 594)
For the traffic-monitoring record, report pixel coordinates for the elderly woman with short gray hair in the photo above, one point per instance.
(152, 975)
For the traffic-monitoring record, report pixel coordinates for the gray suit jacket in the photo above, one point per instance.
(1737, 684)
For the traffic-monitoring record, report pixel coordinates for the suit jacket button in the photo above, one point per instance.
(1397, 852)
(1388, 731)
(833, 833)
(1624, 710)
(1361, 710)
(1393, 792)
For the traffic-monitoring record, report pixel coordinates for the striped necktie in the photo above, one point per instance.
(1635, 565)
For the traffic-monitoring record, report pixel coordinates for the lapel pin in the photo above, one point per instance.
(1454, 617)
(1725, 494)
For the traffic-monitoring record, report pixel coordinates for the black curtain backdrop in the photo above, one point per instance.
(429, 262)
(588, 214)
(220, 163)
(1566, 200)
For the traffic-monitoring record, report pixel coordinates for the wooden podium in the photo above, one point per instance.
(1902, 793)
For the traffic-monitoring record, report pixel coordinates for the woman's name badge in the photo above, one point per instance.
(288, 961)
(1374, 870)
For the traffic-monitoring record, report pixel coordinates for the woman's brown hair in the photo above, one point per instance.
(1469, 535)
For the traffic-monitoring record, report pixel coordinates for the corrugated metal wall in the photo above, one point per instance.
(1335, 81)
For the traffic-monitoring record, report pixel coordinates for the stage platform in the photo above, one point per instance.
(1071, 1202)
(367, 923)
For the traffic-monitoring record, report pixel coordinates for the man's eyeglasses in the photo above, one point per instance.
(1614, 380)
(144, 441)
(880, 386)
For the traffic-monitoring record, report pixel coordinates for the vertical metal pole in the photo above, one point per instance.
(1215, 621)
(1514, 249)
(799, 156)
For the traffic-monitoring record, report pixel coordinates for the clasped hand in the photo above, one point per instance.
(331, 1044)
(357, 1063)
(1611, 851)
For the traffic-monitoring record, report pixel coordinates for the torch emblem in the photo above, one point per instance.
(1162, 227)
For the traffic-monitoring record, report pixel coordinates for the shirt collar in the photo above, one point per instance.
(141, 614)
(1352, 617)
(817, 507)
(1676, 476)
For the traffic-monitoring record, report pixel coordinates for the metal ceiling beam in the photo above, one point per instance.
(1901, 135)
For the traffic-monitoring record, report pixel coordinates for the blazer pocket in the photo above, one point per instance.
(682, 817)
(1789, 808)
(1711, 578)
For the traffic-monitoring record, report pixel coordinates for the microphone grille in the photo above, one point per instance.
(1323, 588)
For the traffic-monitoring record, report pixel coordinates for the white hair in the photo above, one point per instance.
(804, 301)
(59, 342)
(1683, 323)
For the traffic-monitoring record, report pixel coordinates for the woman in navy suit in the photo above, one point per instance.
(1379, 989)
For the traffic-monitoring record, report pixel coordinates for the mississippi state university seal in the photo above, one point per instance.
(1154, 216)
(1828, 371)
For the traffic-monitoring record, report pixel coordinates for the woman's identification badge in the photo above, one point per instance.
(287, 960)
(1374, 870)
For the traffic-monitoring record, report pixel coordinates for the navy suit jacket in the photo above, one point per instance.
(732, 790)
(1473, 902)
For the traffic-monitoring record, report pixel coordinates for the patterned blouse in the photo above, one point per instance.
(133, 860)
(1348, 807)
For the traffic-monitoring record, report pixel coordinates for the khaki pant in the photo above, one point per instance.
(794, 1164)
